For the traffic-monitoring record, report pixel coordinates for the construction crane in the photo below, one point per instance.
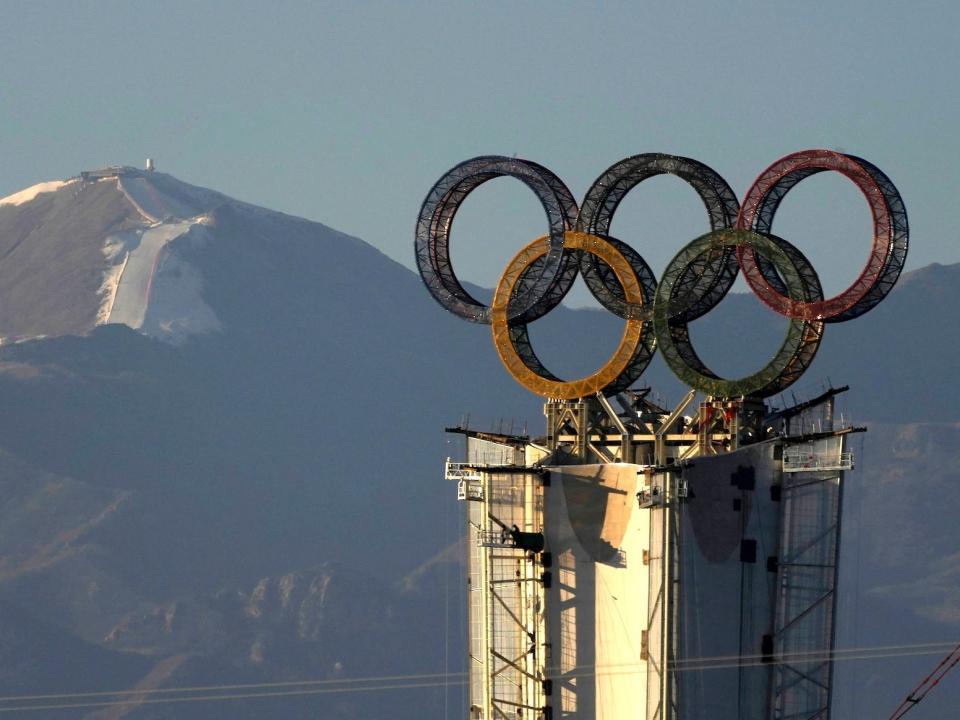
(928, 684)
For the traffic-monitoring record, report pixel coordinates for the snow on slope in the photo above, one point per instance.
(116, 250)
(132, 232)
(30, 193)
(177, 308)
(151, 289)
(153, 204)
(134, 281)
(147, 287)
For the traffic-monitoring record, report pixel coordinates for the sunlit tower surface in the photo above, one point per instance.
(648, 562)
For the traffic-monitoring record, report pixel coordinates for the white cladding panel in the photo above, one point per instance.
(596, 606)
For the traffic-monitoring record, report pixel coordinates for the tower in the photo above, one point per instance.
(610, 589)
(638, 561)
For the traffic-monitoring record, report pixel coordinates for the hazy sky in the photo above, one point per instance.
(347, 113)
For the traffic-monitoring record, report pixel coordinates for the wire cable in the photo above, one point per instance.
(426, 680)
(211, 698)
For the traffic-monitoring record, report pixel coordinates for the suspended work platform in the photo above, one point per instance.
(811, 458)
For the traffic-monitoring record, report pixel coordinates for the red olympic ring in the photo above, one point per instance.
(760, 204)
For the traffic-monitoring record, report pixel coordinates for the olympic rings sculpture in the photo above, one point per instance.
(657, 314)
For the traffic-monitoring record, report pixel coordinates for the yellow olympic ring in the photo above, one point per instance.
(500, 321)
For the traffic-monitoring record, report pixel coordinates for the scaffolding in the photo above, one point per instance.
(506, 582)
(803, 637)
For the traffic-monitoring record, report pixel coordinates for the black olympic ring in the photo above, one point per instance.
(695, 281)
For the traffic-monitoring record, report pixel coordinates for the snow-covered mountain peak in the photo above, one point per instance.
(120, 245)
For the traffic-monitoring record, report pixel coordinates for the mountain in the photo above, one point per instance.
(221, 457)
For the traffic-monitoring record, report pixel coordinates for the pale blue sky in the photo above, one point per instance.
(348, 112)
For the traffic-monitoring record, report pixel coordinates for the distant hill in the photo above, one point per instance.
(222, 445)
